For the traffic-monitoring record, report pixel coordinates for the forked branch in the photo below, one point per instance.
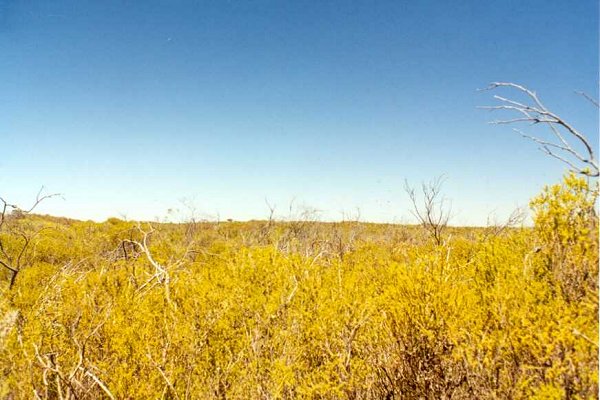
(161, 274)
(568, 144)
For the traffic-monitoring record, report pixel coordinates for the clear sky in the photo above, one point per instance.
(128, 107)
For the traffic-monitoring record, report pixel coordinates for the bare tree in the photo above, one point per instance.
(567, 143)
(432, 210)
(15, 241)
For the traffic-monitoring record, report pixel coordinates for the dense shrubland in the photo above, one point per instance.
(304, 309)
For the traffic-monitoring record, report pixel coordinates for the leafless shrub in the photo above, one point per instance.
(301, 231)
(264, 234)
(497, 228)
(345, 234)
(432, 210)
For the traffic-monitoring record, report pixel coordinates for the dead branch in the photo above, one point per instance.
(566, 138)
(11, 254)
(161, 274)
(73, 384)
(588, 98)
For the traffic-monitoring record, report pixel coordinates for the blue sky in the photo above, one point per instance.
(129, 107)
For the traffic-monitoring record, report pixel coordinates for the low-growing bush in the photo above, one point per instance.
(351, 310)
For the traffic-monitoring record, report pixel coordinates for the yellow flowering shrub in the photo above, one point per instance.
(312, 310)
(566, 227)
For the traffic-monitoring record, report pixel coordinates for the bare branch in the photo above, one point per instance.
(11, 254)
(14, 271)
(545, 144)
(101, 384)
(39, 198)
(496, 228)
(575, 168)
(161, 274)
(589, 98)
(537, 113)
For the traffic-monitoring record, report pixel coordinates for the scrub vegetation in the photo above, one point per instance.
(302, 309)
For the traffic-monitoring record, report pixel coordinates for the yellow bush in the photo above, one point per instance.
(336, 311)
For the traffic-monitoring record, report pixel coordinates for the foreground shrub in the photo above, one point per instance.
(512, 315)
